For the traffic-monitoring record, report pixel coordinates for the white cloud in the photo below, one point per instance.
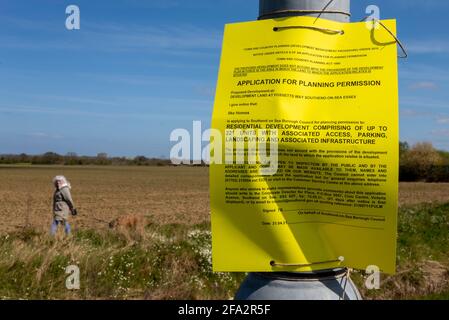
(163, 36)
(440, 133)
(424, 73)
(443, 120)
(424, 85)
(421, 5)
(179, 40)
(78, 100)
(143, 108)
(413, 113)
(423, 102)
(207, 91)
(435, 46)
(44, 135)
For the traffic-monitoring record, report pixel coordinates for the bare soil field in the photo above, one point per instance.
(411, 193)
(163, 195)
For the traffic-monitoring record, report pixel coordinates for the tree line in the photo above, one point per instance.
(71, 158)
(422, 162)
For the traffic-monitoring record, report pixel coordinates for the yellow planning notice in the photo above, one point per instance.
(306, 174)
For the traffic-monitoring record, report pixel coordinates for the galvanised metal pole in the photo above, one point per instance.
(338, 10)
(332, 284)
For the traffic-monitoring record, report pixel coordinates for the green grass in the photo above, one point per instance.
(169, 262)
(437, 296)
(173, 261)
(422, 256)
(424, 232)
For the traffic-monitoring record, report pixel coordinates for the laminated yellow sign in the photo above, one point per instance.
(313, 103)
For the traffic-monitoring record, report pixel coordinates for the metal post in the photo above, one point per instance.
(338, 10)
(330, 284)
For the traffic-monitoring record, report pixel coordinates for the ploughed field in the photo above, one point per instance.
(163, 195)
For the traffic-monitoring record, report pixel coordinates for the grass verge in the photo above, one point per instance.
(165, 262)
(422, 256)
(174, 262)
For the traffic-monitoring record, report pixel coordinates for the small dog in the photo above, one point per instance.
(132, 226)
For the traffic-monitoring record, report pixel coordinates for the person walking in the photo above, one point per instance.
(63, 205)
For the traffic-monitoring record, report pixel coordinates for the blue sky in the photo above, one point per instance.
(138, 69)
